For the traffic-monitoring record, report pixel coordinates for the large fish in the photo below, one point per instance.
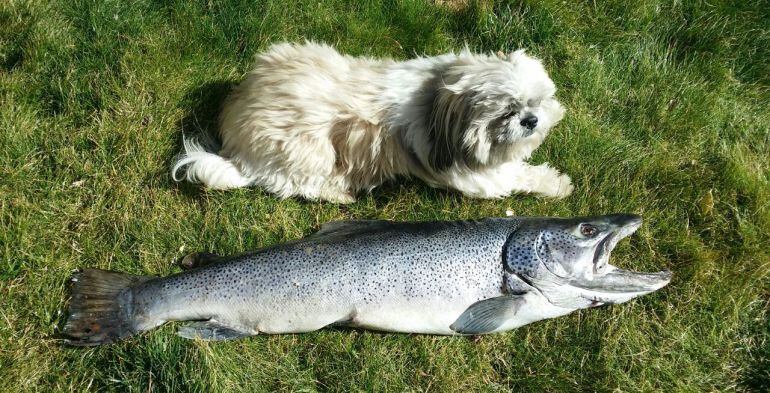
(458, 277)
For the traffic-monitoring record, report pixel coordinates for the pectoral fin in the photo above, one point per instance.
(210, 330)
(485, 316)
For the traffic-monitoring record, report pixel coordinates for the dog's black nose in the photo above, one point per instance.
(529, 121)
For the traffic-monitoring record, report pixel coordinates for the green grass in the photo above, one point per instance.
(667, 117)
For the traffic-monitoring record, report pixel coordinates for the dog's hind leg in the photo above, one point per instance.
(336, 190)
(337, 196)
(317, 188)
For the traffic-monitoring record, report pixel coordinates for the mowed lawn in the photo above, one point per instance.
(667, 117)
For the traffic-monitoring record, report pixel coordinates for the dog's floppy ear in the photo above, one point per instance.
(448, 120)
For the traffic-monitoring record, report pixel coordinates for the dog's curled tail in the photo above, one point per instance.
(202, 166)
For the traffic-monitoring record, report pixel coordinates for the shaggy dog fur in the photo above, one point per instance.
(309, 121)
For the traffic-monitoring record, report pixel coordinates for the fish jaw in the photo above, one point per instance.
(613, 285)
(620, 285)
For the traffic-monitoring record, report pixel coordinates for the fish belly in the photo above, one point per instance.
(435, 316)
(413, 316)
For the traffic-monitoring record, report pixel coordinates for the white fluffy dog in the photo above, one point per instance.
(309, 121)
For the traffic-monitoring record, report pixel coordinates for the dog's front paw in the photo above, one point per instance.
(556, 186)
(565, 186)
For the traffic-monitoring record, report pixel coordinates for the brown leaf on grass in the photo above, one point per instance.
(707, 203)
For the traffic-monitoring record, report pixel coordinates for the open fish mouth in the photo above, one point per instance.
(622, 226)
(611, 284)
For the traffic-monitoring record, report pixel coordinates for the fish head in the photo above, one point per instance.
(567, 260)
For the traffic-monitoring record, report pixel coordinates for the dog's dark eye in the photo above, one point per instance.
(509, 115)
(588, 230)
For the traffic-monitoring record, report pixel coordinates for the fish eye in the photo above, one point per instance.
(588, 230)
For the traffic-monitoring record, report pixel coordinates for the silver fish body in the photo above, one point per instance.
(462, 277)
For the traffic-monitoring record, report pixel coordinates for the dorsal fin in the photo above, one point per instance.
(335, 230)
(352, 226)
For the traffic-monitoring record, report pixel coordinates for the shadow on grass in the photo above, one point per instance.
(200, 121)
(392, 189)
(756, 377)
(396, 192)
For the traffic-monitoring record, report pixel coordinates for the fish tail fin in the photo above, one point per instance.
(100, 309)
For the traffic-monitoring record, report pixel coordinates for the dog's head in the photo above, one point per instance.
(490, 109)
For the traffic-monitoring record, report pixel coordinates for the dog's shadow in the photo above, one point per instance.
(204, 104)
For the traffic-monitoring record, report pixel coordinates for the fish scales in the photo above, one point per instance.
(456, 277)
(334, 276)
